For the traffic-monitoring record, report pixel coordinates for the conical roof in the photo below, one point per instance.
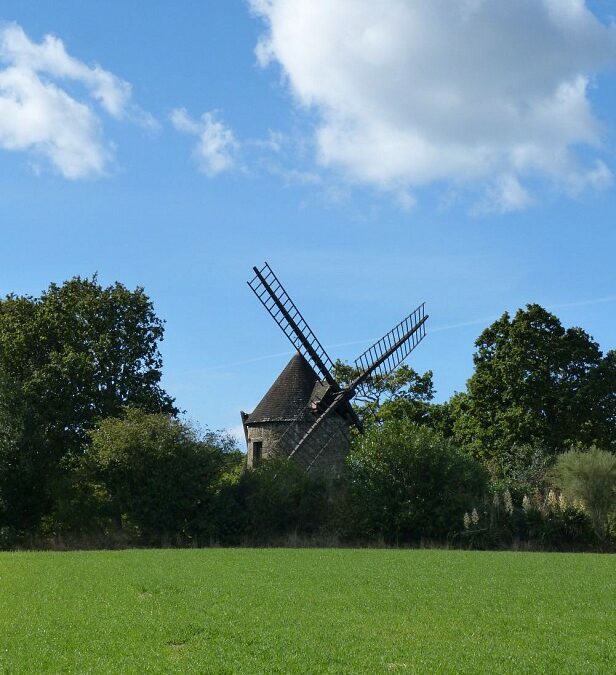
(288, 396)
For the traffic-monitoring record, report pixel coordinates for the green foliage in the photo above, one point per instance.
(78, 353)
(85, 351)
(560, 528)
(403, 382)
(544, 521)
(89, 442)
(401, 394)
(437, 416)
(306, 611)
(273, 501)
(521, 469)
(408, 482)
(159, 474)
(589, 477)
(536, 383)
(25, 491)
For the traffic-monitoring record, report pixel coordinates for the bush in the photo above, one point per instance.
(522, 469)
(275, 500)
(544, 521)
(158, 474)
(566, 528)
(407, 482)
(589, 477)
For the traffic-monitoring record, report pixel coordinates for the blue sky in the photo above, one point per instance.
(370, 174)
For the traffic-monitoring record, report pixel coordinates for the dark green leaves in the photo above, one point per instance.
(78, 353)
(536, 382)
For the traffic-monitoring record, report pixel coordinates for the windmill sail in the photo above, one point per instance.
(307, 437)
(326, 417)
(317, 438)
(277, 302)
(388, 353)
(384, 355)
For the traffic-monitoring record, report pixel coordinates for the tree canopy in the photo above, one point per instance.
(78, 353)
(536, 383)
(403, 393)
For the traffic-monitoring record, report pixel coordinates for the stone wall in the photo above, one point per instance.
(331, 442)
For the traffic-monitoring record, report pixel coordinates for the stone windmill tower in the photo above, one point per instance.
(292, 400)
(306, 414)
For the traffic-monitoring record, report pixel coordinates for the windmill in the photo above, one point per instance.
(306, 415)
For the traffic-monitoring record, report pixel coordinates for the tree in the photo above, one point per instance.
(589, 477)
(536, 384)
(408, 482)
(158, 473)
(403, 393)
(78, 353)
(23, 460)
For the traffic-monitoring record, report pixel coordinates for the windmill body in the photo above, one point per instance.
(306, 415)
(294, 399)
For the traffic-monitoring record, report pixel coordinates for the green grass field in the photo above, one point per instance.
(306, 611)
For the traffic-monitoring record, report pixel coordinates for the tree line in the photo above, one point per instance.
(92, 449)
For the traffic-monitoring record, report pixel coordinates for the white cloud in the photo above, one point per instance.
(216, 147)
(38, 115)
(412, 92)
(505, 195)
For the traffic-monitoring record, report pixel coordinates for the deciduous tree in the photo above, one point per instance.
(536, 384)
(78, 353)
(403, 393)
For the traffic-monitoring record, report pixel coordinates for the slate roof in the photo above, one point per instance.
(289, 394)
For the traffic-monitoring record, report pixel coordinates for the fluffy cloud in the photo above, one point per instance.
(412, 92)
(216, 147)
(38, 115)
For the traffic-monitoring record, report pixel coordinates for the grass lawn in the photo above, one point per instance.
(307, 611)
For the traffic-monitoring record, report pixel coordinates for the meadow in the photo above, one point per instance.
(306, 611)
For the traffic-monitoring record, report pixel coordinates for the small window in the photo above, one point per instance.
(257, 451)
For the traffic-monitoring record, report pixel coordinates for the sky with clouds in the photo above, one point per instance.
(378, 153)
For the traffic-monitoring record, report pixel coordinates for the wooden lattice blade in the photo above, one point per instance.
(285, 313)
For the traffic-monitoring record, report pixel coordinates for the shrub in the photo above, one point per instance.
(549, 520)
(589, 477)
(279, 498)
(544, 521)
(160, 474)
(522, 469)
(407, 482)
